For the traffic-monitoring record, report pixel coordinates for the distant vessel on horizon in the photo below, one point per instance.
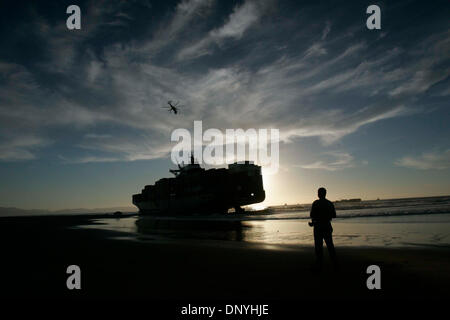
(195, 190)
(350, 200)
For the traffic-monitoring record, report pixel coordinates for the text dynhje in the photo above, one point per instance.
(230, 309)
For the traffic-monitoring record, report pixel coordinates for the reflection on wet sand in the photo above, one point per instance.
(193, 229)
(374, 231)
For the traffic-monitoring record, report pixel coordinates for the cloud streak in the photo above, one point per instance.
(21, 148)
(426, 161)
(335, 161)
(239, 21)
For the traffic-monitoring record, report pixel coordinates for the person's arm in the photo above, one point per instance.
(312, 214)
(333, 211)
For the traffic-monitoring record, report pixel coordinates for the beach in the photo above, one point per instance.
(116, 263)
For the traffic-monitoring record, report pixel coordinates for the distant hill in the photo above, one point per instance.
(11, 211)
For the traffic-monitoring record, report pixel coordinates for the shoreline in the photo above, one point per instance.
(38, 252)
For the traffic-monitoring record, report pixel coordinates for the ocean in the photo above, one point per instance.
(412, 222)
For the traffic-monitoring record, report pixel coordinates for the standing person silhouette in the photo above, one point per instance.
(322, 212)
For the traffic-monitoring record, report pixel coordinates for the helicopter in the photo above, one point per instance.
(172, 106)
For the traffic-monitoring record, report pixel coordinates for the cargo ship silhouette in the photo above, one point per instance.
(195, 190)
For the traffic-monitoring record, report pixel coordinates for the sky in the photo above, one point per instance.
(361, 112)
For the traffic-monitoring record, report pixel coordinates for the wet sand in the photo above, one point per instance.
(37, 250)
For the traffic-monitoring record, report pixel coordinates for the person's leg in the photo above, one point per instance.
(330, 246)
(318, 244)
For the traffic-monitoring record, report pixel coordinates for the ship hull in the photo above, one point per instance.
(212, 204)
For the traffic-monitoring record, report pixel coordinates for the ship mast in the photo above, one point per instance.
(176, 172)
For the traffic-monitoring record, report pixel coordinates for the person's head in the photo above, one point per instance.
(322, 192)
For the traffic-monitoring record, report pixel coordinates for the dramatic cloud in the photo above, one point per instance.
(254, 64)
